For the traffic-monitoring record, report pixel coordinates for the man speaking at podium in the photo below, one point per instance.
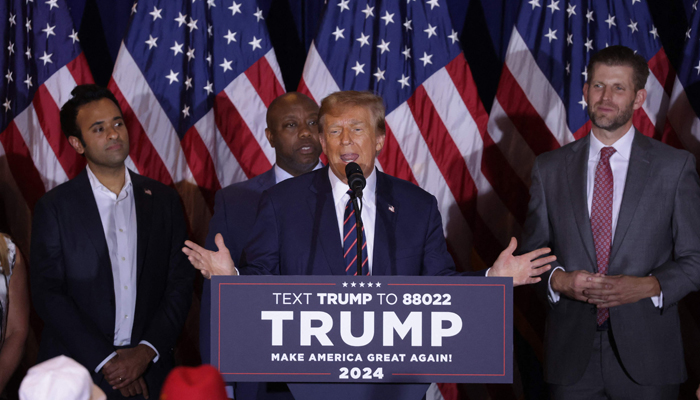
(305, 225)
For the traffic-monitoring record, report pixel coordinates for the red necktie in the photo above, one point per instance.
(601, 217)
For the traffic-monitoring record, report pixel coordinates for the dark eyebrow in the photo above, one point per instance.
(118, 117)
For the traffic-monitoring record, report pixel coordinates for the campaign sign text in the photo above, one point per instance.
(362, 329)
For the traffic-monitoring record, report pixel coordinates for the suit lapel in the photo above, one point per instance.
(637, 173)
(143, 201)
(267, 180)
(86, 206)
(320, 201)
(384, 226)
(577, 171)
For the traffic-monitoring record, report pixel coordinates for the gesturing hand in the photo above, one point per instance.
(210, 262)
(524, 269)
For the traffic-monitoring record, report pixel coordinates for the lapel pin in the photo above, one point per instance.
(391, 208)
(147, 191)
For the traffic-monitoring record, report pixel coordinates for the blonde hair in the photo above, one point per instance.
(374, 103)
(4, 261)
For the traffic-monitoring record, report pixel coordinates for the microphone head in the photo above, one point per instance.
(352, 168)
(356, 179)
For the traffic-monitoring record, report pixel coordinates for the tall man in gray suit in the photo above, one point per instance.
(621, 212)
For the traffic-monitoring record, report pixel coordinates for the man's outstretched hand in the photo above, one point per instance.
(210, 262)
(524, 269)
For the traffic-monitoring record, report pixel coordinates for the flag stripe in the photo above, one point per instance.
(263, 79)
(24, 171)
(316, 77)
(393, 160)
(201, 165)
(662, 70)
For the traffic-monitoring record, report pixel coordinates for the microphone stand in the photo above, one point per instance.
(358, 227)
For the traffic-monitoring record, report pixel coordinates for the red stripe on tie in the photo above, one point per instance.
(661, 67)
(523, 115)
(505, 181)
(350, 265)
(239, 138)
(141, 150)
(201, 165)
(47, 113)
(21, 165)
(393, 160)
(350, 248)
(264, 80)
(454, 170)
(351, 214)
(80, 70)
(349, 232)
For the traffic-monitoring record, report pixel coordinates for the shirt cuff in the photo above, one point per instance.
(551, 294)
(487, 272)
(237, 273)
(102, 364)
(157, 357)
(658, 300)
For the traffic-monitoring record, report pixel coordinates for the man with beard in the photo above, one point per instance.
(620, 212)
(292, 130)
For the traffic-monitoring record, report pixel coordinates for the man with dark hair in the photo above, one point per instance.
(107, 276)
(620, 211)
(292, 130)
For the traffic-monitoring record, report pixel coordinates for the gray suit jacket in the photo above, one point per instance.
(657, 233)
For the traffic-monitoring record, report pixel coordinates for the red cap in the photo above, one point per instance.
(194, 383)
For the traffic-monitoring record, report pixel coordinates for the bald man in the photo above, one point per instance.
(292, 130)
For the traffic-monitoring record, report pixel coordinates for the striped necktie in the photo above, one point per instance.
(601, 217)
(350, 241)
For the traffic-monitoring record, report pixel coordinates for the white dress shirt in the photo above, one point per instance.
(118, 216)
(368, 208)
(282, 175)
(619, 163)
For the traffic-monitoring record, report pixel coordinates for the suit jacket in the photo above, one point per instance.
(656, 233)
(296, 230)
(72, 284)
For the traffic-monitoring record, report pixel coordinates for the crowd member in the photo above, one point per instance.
(107, 276)
(14, 309)
(60, 378)
(620, 211)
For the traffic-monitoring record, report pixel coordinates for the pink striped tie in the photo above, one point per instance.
(601, 217)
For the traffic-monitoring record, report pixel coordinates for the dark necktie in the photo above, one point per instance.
(350, 241)
(601, 217)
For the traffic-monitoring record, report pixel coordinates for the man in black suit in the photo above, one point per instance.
(292, 130)
(108, 278)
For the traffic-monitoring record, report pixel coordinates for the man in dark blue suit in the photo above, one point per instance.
(292, 130)
(107, 276)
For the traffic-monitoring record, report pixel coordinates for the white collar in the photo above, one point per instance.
(282, 175)
(623, 145)
(341, 188)
(96, 184)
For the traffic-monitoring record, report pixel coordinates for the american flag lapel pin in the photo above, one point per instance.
(147, 191)
(391, 208)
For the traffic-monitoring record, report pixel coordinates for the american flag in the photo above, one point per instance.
(41, 62)
(194, 80)
(684, 110)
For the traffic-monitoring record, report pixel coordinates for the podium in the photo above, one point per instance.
(362, 337)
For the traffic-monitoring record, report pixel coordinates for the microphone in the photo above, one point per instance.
(356, 179)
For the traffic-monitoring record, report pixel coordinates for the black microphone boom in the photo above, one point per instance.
(356, 179)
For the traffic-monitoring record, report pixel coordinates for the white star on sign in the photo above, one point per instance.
(255, 43)
(404, 81)
(406, 52)
(208, 88)
(46, 58)
(589, 45)
(192, 24)
(551, 35)
(358, 68)
(583, 103)
(190, 54)
(379, 75)
(49, 30)
(226, 65)
(186, 112)
(258, 14)
(430, 31)
(188, 83)
(388, 18)
(181, 19)
(610, 21)
(345, 284)
(407, 25)
(362, 284)
(534, 3)
(177, 48)
(9, 76)
(378, 284)
(230, 37)
(653, 32)
(454, 36)
(172, 77)
(589, 16)
(338, 33)
(151, 42)
(156, 13)
(74, 36)
(7, 104)
(344, 5)
(52, 4)
(28, 81)
(364, 40)
(384, 46)
(353, 284)
(633, 26)
(235, 8)
(369, 284)
(554, 6)
(433, 3)
(369, 11)
(570, 10)
(426, 59)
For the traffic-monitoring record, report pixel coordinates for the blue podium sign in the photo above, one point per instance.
(374, 329)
